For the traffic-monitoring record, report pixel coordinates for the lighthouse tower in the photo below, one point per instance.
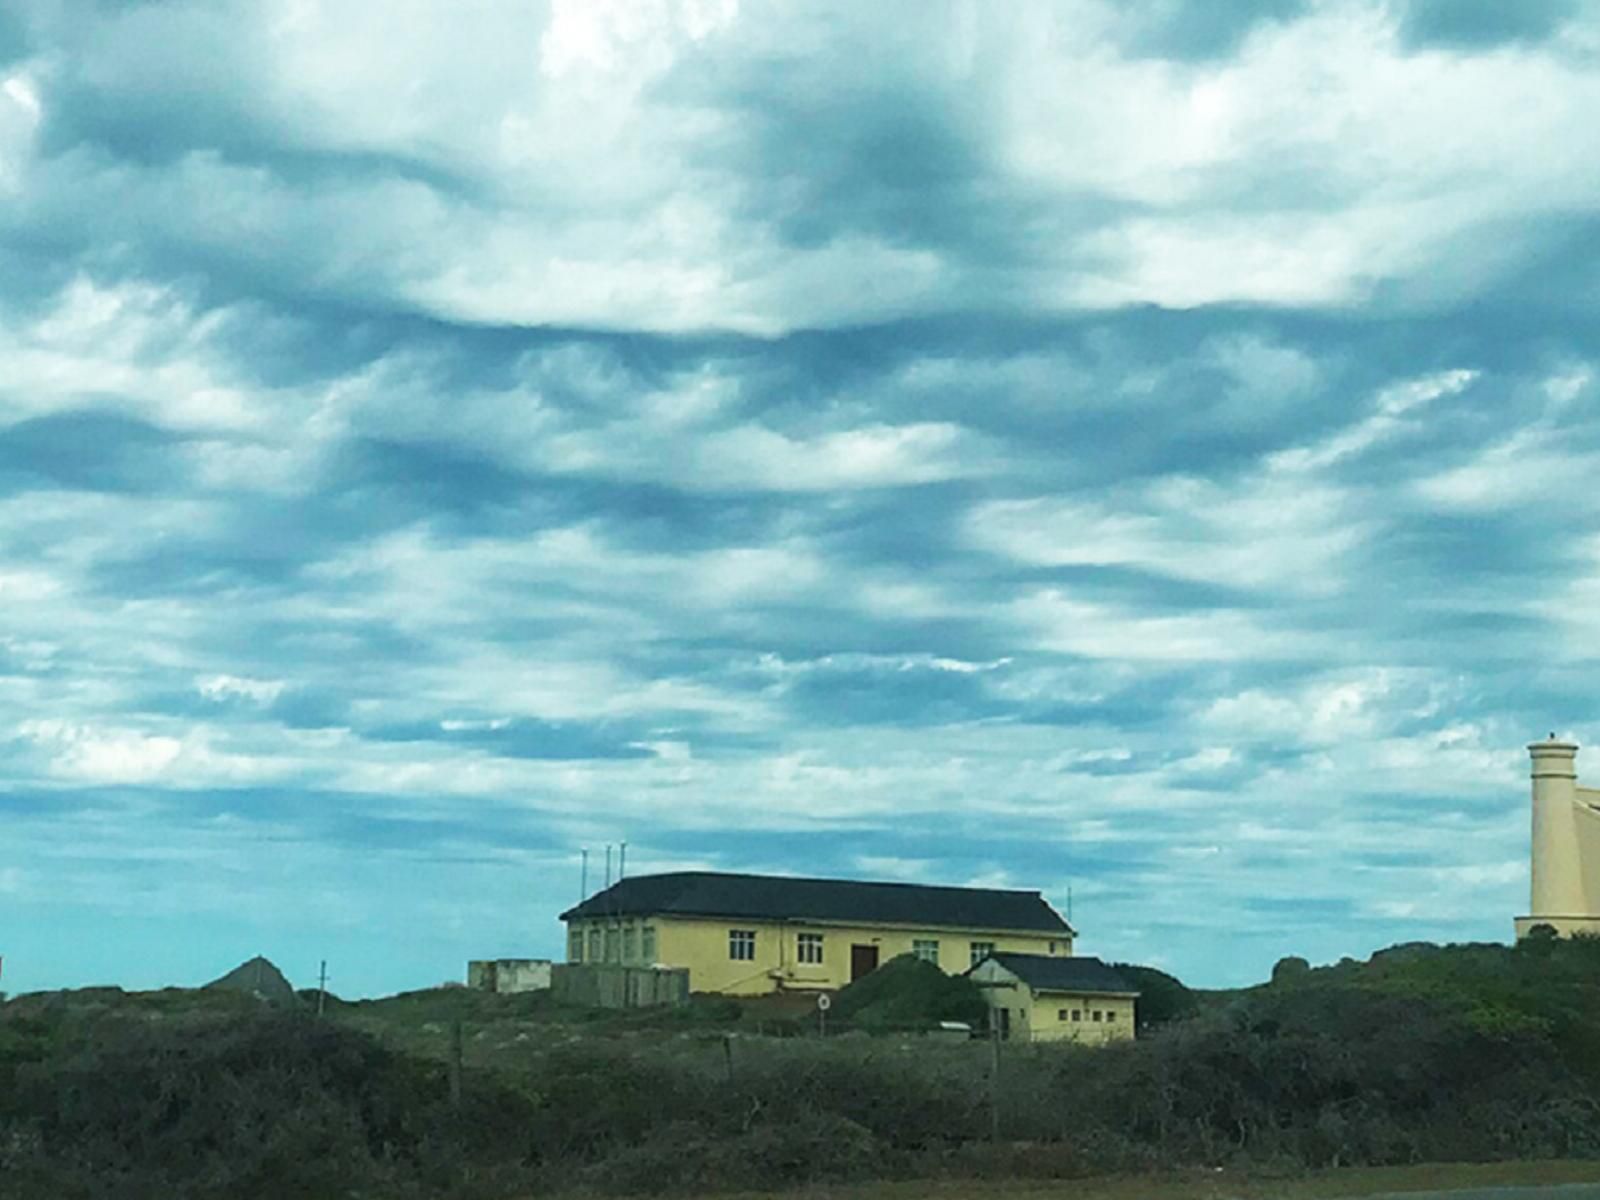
(1566, 845)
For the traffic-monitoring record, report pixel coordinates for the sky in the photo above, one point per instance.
(1144, 453)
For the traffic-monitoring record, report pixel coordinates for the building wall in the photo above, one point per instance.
(509, 974)
(1050, 1017)
(703, 947)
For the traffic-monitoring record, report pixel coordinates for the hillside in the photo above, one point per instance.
(1463, 1053)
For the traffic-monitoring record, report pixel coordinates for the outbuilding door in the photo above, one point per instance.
(863, 961)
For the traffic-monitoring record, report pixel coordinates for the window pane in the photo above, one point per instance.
(981, 951)
(926, 949)
(809, 948)
(742, 944)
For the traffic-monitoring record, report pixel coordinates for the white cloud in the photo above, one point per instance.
(1265, 533)
(225, 687)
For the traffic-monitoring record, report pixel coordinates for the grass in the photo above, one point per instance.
(1345, 1182)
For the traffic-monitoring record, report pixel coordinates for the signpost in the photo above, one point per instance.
(824, 1003)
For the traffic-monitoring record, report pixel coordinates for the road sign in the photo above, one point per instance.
(824, 1002)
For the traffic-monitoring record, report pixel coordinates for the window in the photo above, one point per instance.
(1077, 1014)
(594, 943)
(647, 949)
(1052, 947)
(809, 948)
(742, 944)
(1062, 1015)
(613, 944)
(981, 951)
(574, 945)
(926, 949)
(1111, 1014)
(1096, 1014)
(630, 943)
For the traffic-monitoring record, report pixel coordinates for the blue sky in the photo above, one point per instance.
(1146, 450)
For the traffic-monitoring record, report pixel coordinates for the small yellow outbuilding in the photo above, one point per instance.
(1036, 998)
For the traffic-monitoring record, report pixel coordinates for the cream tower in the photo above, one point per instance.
(1566, 845)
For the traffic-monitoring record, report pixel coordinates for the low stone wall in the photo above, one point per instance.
(597, 985)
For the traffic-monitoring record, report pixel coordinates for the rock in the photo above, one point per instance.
(258, 978)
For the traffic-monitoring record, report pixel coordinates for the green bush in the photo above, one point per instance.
(908, 993)
(1423, 1053)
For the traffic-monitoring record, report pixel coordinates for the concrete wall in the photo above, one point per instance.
(702, 946)
(602, 986)
(509, 974)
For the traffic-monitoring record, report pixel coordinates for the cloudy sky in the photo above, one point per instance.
(1147, 452)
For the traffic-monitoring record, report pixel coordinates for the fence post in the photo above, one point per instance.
(994, 1083)
(455, 1064)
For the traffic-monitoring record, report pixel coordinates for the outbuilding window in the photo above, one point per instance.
(1096, 1014)
(1077, 1014)
(575, 945)
(981, 951)
(1062, 1015)
(648, 949)
(809, 948)
(594, 944)
(742, 945)
(926, 949)
(630, 943)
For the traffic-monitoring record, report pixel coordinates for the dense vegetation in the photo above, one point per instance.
(1461, 1053)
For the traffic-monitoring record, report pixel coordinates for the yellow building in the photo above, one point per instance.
(1565, 874)
(1036, 998)
(747, 935)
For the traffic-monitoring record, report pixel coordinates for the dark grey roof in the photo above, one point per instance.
(776, 897)
(1046, 973)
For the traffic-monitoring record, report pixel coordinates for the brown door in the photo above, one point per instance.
(863, 961)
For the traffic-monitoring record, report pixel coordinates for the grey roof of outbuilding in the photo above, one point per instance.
(777, 897)
(1046, 973)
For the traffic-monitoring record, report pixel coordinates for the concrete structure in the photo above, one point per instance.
(747, 935)
(1035, 998)
(1566, 845)
(601, 986)
(507, 975)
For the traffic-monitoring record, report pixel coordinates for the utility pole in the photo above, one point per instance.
(583, 879)
(322, 986)
(608, 864)
(622, 863)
